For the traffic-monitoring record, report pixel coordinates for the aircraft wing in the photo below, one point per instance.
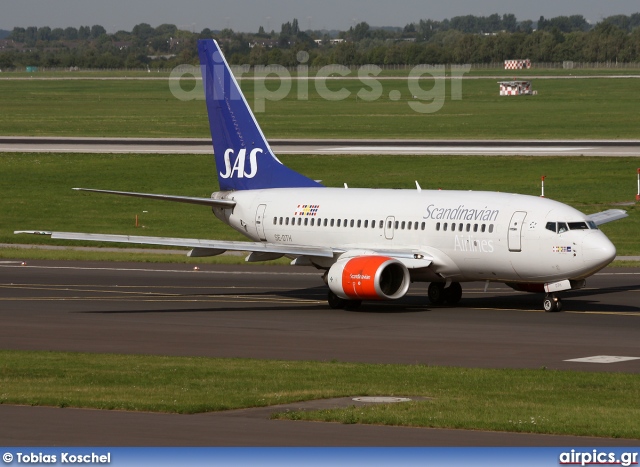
(260, 251)
(199, 247)
(412, 259)
(607, 216)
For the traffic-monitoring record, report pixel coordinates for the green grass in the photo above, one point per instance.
(37, 189)
(532, 401)
(564, 109)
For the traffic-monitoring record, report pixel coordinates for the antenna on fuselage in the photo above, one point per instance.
(543, 177)
(418, 186)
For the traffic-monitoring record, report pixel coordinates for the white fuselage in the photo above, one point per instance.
(470, 235)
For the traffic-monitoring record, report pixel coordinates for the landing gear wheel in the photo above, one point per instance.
(436, 293)
(453, 293)
(552, 304)
(335, 302)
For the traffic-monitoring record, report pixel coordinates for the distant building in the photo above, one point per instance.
(266, 43)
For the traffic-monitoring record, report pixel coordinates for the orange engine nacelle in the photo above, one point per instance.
(369, 278)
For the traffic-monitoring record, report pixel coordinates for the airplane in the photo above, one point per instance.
(371, 244)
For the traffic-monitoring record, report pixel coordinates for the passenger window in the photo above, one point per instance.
(281, 221)
(409, 225)
(484, 227)
(491, 228)
(382, 224)
(423, 226)
(306, 221)
(444, 227)
(468, 227)
(366, 223)
(313, 222)
(332, 222)
(403, 225)
(562, 227)
(345, 224)
(287, 221)
(475, 227)
(338, 224)
(351, 224)
(299, 220)
(275, 220)
(438, 226)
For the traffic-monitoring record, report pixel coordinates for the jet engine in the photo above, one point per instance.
(369, 278)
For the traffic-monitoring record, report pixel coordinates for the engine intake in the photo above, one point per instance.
(369, 278)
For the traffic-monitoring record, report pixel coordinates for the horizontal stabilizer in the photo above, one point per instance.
(216, 203)
(607, 216)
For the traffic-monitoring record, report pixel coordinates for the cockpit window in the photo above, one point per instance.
(578, 226)
(561, 227)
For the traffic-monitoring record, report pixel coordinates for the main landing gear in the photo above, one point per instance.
(552, 303)
(439, 294)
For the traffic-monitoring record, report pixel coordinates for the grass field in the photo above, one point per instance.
(564, 109)
(531, 401)
(37, 189)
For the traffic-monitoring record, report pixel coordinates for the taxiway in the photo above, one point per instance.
(280, 313)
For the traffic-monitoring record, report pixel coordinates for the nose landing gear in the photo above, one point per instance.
(552, 303)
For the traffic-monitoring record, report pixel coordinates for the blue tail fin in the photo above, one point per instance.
(243, 157)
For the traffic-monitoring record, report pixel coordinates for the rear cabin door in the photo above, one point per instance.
(260, 222)
(515, 230)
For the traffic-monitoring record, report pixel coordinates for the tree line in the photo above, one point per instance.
(462, 39)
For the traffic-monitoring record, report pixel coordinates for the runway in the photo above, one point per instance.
(280, 313)
(600, 148)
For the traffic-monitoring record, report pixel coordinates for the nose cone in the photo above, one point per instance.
(597, 250)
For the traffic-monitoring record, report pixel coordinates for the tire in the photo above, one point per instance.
(551, 304)
(436, 293)
(453, 293)
(335, 302)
